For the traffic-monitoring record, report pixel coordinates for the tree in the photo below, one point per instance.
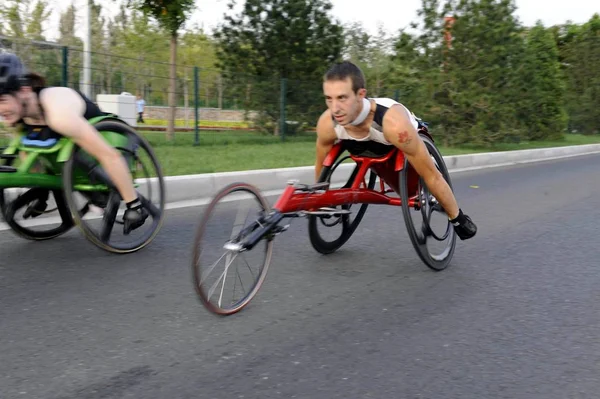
(171, 15)
(142, 47)
(378, 74)
(24, 20)
(542, 95)
(407, 75)
(296, 40)
(417, 67)
(579, 47)
(66, 28)
(481, 73)
(199, 50)
(357, 45)
(372, 54)
(39, 15)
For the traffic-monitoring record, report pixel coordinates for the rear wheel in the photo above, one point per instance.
(39, 225)
(330, 239)
(428, 231)
(14, 204)
(85, 181)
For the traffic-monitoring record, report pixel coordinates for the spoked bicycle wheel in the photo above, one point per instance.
(225, 277)
(438, 232)
(85, 181)
(337, 229)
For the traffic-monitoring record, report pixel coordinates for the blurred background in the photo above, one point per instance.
(237, 85)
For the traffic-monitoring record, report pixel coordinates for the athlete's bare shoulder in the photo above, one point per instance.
(325, 128)
(61, 99)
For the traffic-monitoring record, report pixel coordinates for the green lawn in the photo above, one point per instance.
(223, 151)
(190, 123)
(231, 151)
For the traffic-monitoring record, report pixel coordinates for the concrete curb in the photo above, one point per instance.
(193, 187)
(202, 186)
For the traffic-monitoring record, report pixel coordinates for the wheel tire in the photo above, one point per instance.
(197, 251)
(421, 247)
(68, 175)
(327, 247)
(8, 211)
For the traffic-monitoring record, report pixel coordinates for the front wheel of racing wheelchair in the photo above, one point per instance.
(426, 206)
(218, 260)
(85, 181)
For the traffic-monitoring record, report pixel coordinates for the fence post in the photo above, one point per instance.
(65, 66)
(397, 95)
(282, 109)
(196, 106)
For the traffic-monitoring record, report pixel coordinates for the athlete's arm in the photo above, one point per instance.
(64, 109)
(398, 130)
(326, 138)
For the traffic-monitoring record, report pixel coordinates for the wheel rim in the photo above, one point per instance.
(347, 222)
(423, 234)
(44, 225)
(104, 226)
(218, 271)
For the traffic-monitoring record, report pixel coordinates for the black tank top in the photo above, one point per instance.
(43, 132)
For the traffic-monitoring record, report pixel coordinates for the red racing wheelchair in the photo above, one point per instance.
(377, 174)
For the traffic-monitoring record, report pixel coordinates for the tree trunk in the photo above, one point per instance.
(109, 72)
(220, 82)
(171, 127)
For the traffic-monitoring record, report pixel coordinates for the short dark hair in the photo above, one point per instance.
(14, 83)
(35, 81)
(343, 70)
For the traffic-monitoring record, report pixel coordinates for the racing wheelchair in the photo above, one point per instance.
(82, 192)
(369, 164)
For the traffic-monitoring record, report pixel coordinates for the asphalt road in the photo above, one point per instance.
(515, 315)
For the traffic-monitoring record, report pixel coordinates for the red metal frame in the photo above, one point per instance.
(386, 167)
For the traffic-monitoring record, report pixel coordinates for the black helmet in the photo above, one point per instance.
(11, 70)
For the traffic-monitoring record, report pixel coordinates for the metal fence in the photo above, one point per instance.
(206, 100)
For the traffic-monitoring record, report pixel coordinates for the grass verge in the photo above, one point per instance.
(231, 151)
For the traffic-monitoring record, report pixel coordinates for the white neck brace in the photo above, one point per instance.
(363, 114)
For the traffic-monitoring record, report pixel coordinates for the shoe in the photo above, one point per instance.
(464, 226)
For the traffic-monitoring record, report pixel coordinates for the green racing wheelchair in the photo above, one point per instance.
(77, 190)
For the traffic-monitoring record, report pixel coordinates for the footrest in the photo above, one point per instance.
(325, 211)
(7, 169)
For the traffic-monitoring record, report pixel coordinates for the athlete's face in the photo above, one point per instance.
(342, 102)
(10, 108)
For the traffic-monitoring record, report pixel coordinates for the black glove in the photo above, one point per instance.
(464, 226)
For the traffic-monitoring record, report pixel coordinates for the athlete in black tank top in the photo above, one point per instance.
(344, 89)
(47, 113)
(43, 133)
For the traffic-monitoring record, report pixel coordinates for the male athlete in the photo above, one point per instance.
(26, 101)
(351, 116)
